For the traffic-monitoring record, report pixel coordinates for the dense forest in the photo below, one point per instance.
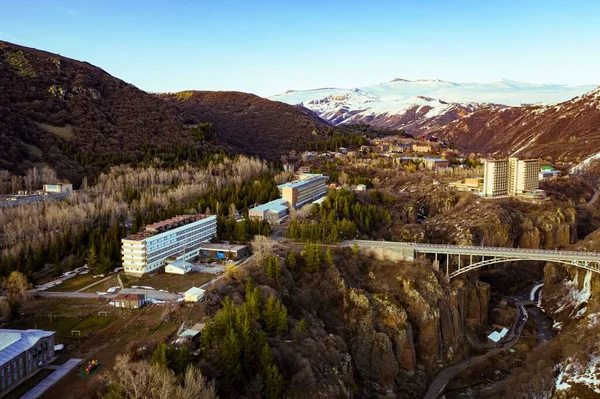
(340, 216)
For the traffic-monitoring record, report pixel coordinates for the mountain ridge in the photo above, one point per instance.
(565, 132)
(395, 104)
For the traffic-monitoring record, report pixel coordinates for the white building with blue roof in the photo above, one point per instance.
(275, 210)
(22, 353)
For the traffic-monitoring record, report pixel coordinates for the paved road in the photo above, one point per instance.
(445, 376)
(52, 379)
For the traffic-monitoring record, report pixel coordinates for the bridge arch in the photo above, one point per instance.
(591, 266)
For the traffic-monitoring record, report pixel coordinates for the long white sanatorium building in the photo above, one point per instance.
(510, 176)
(149, 249)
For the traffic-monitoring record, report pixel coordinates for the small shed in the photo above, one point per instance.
(194, 294)
(178, 266)
(129, 301)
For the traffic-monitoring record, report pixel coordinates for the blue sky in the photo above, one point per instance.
(266, 47)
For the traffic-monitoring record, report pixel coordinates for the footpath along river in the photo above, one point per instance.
(544, 330)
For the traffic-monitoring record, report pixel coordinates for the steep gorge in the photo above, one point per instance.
(399, 323)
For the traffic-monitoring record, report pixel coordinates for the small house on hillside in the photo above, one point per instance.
(129, 301)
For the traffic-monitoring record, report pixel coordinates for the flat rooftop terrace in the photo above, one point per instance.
(165, 225)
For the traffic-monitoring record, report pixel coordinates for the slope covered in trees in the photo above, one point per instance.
(78, 119)
(89, 224)
(257, 126)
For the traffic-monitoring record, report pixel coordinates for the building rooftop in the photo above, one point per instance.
(277, 205)
(435, 159)
(165, 225)
(129, 297)
(302, 179)
(15, 342)
(221, 247)
(195, 291)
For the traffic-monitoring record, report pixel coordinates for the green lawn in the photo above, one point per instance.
(75, 283)
(91, 324)
(62, 325)
(103, 286)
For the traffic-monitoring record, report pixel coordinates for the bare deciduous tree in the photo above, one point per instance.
(141, 380)
(17, 286)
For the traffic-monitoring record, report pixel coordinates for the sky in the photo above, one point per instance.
(267, 47)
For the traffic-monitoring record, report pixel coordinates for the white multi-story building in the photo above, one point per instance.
(524, 175)
(308, 187)
(512, 176)
(495, 177)
(149, 249)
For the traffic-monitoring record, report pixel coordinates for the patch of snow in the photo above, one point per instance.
(100, 293)
(577, 373)
(557, 325)
(154, 300)
(574, 297)
(142, 287)
(594, 319)
(581, 167)
(112, 289)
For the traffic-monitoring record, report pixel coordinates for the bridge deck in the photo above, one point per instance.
(515, 253)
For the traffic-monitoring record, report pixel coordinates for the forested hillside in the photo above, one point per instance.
(251, 124)
(78, 119)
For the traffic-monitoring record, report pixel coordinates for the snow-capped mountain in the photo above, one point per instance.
(565, 132)
(422, 104)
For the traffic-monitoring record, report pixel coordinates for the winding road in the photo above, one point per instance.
(445, 376)
(592, 200)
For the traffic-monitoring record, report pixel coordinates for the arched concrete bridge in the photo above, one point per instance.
(467, 258)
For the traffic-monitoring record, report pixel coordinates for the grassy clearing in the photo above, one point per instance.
(75, 283)
(62, 325)
(91, 324)
(103, 286)
(171, 282)
(65, 132)
(27, 385)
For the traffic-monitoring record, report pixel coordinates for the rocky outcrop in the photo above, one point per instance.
(381, 339)
(417, 319)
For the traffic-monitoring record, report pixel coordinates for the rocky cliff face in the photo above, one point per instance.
(408, 319)
(571, 296)
(470, 220)
(396, 323)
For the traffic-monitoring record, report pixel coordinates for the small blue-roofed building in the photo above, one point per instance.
(22, 354)
(274, 211)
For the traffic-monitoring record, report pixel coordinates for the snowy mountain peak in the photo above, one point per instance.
(392, 104)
